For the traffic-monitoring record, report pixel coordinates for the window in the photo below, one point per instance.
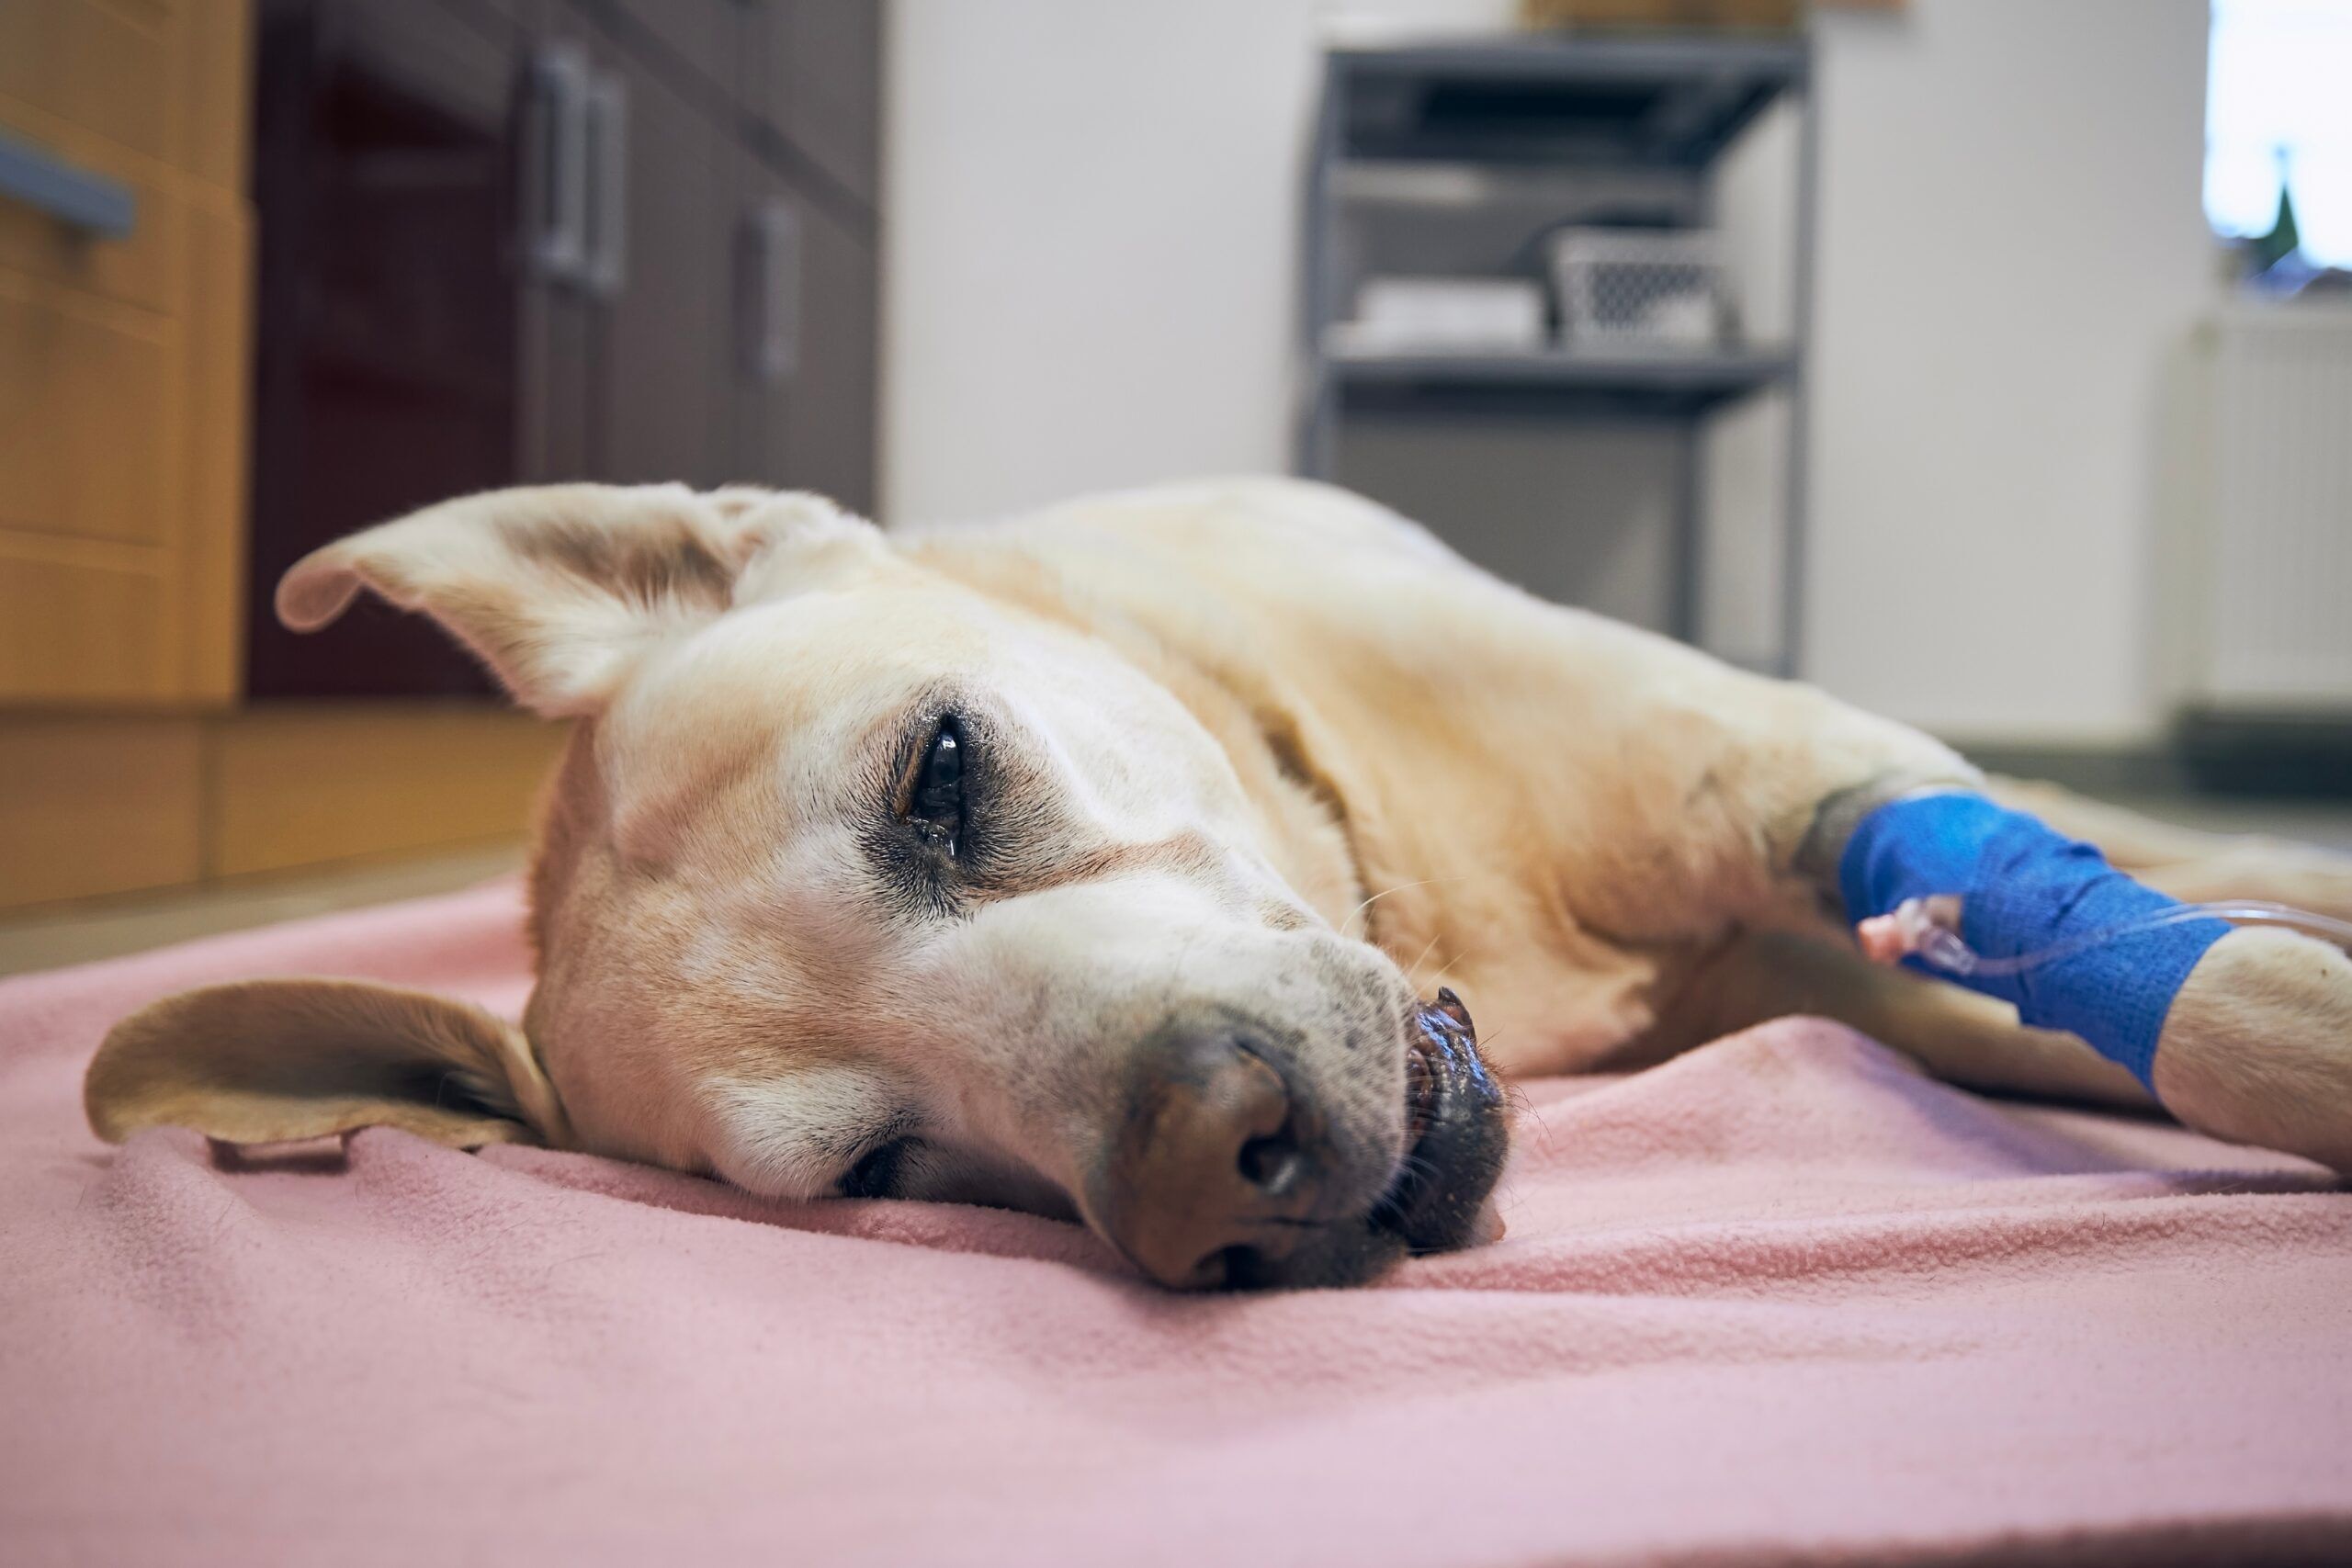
(2278, 108)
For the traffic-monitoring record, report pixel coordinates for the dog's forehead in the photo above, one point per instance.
(804, 682)
(805, 677)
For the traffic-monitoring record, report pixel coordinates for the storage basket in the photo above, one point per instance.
(1631, 290)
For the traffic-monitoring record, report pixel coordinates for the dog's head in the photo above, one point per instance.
(856, 880)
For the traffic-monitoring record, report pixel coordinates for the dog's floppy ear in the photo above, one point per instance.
(562, 588)
(277, 1061)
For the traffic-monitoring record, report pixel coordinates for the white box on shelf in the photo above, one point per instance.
(1639, 290)
(1434, 314)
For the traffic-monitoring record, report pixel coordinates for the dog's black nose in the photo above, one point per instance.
(1215, 1166)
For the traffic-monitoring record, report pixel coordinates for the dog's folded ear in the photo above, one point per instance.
(562, 588)
(278, 1061)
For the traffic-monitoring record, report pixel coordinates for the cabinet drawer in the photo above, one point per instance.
(92, 806)
(76, 632)
(86, 419)
(105, 65)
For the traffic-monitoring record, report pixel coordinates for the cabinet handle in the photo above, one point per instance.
(772, 343)
(75, 198)
(559, 149)
(607, 271)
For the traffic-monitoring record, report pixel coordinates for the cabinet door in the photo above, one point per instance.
(770, 313)
(123, 356)
(389, 375)
(704, 35)
(555, 316)
(660, 279)
(831, 445)
(806, 303)
(816, 79)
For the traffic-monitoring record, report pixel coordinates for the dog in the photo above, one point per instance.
(1098, 862)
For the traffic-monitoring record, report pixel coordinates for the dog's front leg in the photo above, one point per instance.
(2245, 1034)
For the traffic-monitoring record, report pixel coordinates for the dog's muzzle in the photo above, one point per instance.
(1223, 1175)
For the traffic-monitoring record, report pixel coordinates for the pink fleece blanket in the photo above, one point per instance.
(1781, 1298)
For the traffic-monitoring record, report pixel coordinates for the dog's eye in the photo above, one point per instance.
(877, 1174)
(938, 811)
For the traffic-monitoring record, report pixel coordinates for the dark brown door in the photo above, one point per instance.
(807, 302)
(831, 445)
(700, 43)
(558, 317)
(815, 78)
(387, 372)
(658, 280)
(809, 268)
(531, 241)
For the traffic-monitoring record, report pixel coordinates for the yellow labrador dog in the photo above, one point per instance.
(1097, 862)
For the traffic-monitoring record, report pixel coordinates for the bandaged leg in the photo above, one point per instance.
(2246, 1033)
(2022, 890)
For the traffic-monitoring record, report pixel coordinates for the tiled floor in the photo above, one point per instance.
(77, 932)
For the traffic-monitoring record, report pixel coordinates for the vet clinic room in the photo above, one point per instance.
(971, 781)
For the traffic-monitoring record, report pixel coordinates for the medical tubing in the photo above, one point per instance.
(1943, 949)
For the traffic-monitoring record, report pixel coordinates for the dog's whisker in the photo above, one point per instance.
(1358, 911)
(1426, 951)
(1447, 967)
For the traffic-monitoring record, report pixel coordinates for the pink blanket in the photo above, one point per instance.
(1783, 1297)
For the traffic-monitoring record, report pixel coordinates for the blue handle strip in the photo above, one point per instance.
(73, 196)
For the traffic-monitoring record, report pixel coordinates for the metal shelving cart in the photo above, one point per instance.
(1455, 158)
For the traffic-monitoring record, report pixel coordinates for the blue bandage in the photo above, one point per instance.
(2026, 889)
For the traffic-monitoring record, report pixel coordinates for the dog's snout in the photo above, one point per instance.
(1216, 1166)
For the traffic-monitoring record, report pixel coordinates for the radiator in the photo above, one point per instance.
(2267, 578)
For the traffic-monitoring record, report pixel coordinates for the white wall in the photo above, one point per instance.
(1089, 244)
(2012, 245)
(1091, 228)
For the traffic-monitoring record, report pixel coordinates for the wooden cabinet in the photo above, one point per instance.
(382, 252)
(537, 240)
(408, 343)
(122, 355)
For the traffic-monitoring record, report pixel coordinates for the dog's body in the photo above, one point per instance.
(1594, 833)
(1562, 818)
(1076, 854)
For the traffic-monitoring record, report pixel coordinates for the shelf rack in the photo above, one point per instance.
(1457, 133)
